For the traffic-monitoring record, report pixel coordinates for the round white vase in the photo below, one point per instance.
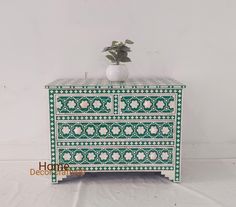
(117, 72)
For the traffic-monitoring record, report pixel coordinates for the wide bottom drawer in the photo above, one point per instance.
(116, 156)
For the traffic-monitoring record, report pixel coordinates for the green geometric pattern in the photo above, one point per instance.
(52, 133)
(96, 130)
(65, 110)
(88, 92)
(147, 104)
(84, 104)
(116, 156)
(127, 142)
(121, 168)
(114, 117)
(101, 84)
(178, 137)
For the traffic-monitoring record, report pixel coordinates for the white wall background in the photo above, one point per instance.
(192, 41)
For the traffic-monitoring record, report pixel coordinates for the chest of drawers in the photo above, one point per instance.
(102, 126)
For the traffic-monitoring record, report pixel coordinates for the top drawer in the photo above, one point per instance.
(84, 104)
(152, 103)
(123, 104)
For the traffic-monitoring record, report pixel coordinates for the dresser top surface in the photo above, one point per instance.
(104, 83)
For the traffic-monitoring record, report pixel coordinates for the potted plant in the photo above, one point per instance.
(117, 54)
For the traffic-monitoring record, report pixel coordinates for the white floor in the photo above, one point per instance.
(209, 183)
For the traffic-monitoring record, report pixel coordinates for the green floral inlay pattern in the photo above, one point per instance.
(147, 104)
(116, 156)
(84, 104)
(98, 130)
(114, 114)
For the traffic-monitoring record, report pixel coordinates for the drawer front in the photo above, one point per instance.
(116, 155)
(121, 129)
(84, 104)
(133, 104)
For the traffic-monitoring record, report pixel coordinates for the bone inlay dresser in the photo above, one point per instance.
(102, 126)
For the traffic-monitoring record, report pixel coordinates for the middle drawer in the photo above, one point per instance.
(159, 129)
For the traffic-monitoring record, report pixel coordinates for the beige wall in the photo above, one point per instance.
(192, 41)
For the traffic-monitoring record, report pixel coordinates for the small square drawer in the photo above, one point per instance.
(143, 104)
(83, 104)
(116, 155)
(116, 130)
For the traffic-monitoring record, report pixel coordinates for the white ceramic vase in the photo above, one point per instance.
(117, 72)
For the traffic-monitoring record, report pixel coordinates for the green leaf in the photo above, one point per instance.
(125, 59)
(125, 48)
(106, 49)
(114, 42)
(121, 44)
(113, 53)
(111, 58)
(114, 48)
(129, 42)
(121, 54)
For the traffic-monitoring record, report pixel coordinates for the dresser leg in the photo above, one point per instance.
(170, 174)
(59, 177)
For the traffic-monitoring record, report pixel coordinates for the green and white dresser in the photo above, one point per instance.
(102, 126)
